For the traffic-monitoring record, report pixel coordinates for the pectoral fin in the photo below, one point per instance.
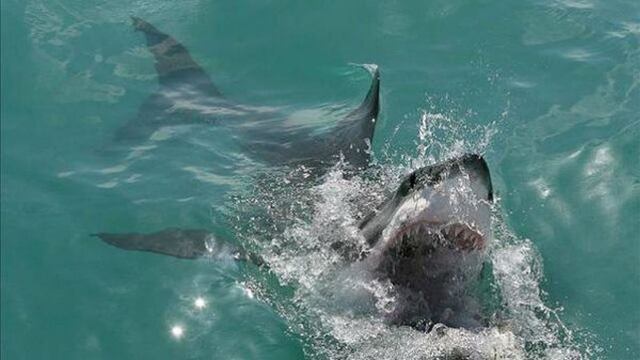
(180, 243)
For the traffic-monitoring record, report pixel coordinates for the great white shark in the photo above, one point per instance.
(428, 238)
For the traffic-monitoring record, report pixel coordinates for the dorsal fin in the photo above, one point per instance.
(370, 105)
(354, 133)
(174, 64)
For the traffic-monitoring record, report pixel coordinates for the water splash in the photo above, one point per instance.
(340, 308)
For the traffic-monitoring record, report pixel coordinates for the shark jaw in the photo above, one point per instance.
(429, 240)
(455, 236)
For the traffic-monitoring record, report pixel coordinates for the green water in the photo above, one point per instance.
(556, 82)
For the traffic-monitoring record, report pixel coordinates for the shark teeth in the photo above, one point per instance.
(455, 235)
(463, 237)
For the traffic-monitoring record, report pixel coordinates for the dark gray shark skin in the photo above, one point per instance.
(186, 95)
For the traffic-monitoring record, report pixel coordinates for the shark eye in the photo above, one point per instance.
(408, 184)
(412, 180)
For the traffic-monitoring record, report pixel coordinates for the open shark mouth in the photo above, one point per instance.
(430, 265)
(454, 236)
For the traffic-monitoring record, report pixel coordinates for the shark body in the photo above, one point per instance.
(428, 239)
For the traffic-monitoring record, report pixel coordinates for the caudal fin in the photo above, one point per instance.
(181, 80)
(174, 64)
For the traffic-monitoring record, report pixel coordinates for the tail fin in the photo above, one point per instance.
(180, 78)
(174, 64)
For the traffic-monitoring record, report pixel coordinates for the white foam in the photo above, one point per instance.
(338, 297)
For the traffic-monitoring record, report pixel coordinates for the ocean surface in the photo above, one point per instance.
(547, 90)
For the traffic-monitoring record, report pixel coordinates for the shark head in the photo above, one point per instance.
(429, 238)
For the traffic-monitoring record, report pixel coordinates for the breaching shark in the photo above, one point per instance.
(428, 238)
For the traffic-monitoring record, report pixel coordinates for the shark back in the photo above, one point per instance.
(186, 95)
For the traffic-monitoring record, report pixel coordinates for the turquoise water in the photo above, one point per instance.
(547, 90)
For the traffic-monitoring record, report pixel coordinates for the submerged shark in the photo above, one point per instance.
(428, 239)
(186, 95)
